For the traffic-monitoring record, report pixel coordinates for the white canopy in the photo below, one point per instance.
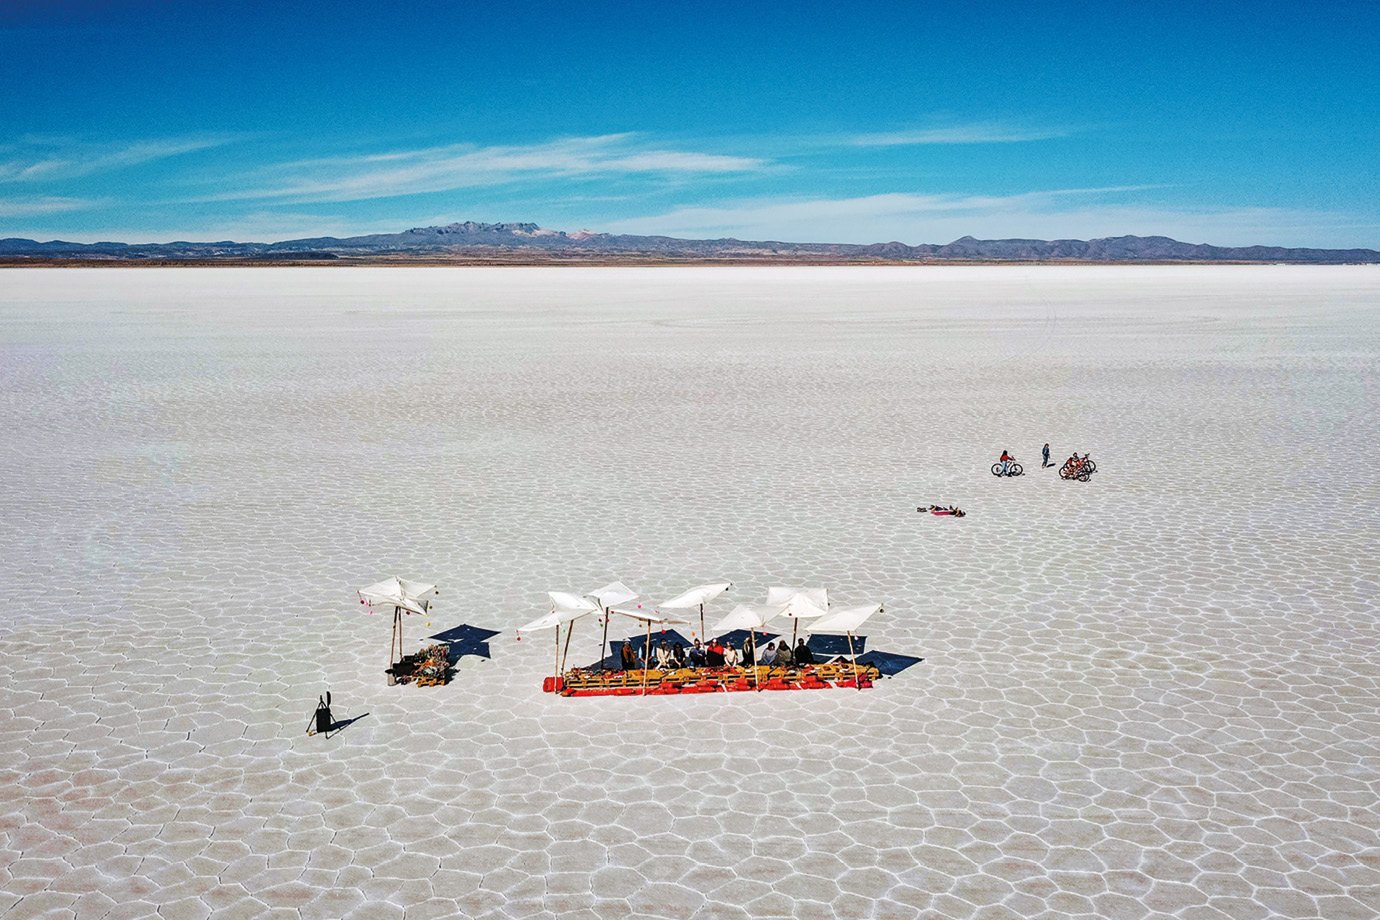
(800, 603)
(398, 592)
(646, 616)
(558, 617)
(612, 594)
(748, 616)
(696, 596)
(564, 600)
(844, 619)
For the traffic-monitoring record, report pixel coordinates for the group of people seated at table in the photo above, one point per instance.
(717, 654)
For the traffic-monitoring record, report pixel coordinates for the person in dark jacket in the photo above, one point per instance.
(803, 655)
(628, 658)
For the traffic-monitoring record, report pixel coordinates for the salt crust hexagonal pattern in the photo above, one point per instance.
(1154, 694)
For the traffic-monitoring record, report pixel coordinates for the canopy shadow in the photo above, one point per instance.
(465, 640)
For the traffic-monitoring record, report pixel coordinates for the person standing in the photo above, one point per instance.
(1045, 462)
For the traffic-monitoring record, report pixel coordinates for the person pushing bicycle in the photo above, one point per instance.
(1006, 461)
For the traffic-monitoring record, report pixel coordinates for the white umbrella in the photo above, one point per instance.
(748, 616)
(800, 604)
(615, 592)
(751, 617)
(560, 616)
(400, 594)
(697, 597)
(846, 620)
(649, 617)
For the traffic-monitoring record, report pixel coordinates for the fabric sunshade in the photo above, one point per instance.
(749, 617)
(803, 599)
(558, 617)
(398, 592)
(844, 619)
(800, 603)
(612, 594)
(567, 601)
(646, 616)
(696, 596)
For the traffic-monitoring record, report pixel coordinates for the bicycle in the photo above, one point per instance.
(1012, 469)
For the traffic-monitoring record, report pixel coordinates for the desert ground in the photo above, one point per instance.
(1153, 694)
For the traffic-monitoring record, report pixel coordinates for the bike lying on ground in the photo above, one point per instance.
(1012, 469)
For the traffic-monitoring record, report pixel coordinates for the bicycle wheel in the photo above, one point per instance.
(1084, 476)
(996, 469)
(1065, 473)
(1017, 469)
(1090, 466)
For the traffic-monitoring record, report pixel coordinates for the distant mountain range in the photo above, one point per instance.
(477, 243)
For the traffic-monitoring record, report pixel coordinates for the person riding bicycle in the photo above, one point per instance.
(1006, 461)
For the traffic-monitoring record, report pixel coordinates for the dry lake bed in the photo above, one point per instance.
(1153, 694)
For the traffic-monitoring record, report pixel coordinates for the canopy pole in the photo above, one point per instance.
(397, 633)
(795, 625)
(704, 637)
(604, 646)
(557, 675)
(756, 683)
(392, 644)
(645, 663)
(854, 655)
(565, 656)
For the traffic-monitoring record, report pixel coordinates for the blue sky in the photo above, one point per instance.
(1225, 123)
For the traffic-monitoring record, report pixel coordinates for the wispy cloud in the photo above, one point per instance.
(987, 132)
(37, 207)
(1050, 214)
(42, 159)
(445, 168)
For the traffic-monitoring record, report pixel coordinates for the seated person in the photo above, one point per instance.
(628, 658)
(663, 656)
(678, 656)
(768, 657)
(803, 656)
(731, 658)
(697, 655)
(714, 654)
(747, 654)
(784, 658)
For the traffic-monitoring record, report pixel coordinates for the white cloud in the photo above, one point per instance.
(439, 169)
(54, 159)
(1054, 214)
(35, 207)
(975, 133)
